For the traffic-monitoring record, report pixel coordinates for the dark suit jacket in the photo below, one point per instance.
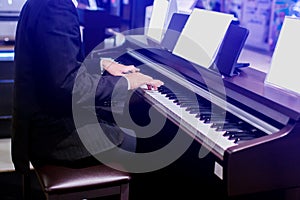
(47, 63)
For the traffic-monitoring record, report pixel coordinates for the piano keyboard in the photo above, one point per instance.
(228, 127)
(216, 130)
(243, 115)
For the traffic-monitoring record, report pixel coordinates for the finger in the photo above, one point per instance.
(127, 72)
(133, 68)
(130, 70)
(157, 83)
(137, 69)
(154, 84)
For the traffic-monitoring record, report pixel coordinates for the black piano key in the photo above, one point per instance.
(173, 97)
(217, 122)
(190, 105)
(203, 117)
(187, 102)
(240, 140)
(231, 129)
(236, 138)
(164, 90)
(193, 108)
(199, 114)
(242, 134)
(227, 133)
(230, 125)
(201, 110)
(217, 116)
(176, 101)
(170, 95)
(245, 132)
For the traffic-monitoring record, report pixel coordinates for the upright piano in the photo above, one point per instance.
(252, 129)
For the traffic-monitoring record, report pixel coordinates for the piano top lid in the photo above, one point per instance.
(251, 83)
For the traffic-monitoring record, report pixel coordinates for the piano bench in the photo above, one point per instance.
(59, 182)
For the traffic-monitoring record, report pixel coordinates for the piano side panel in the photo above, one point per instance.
(272, 163)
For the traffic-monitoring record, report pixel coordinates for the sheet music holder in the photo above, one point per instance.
(165, 48)
(231, 47)
(174, 30)
(160, 18)
(161, 15)
(202, 36)
(284, 72)
(171, 36)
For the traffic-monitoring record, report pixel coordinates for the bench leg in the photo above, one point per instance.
(124, 191)
(26, 186)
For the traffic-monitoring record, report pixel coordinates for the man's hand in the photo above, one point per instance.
(138, 79)
(117, 69)
(131, 73)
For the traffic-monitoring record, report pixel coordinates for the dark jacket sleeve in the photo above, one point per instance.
(59, 70)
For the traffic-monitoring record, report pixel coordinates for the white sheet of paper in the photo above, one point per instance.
(186, 6)
(202, 36)
(284, 69)
(156, 27)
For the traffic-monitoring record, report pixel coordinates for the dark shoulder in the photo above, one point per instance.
(61, 5)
